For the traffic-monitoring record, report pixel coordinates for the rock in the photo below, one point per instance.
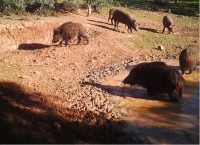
(37, 72)
(54, 78)
(24, 77)
(160, 47)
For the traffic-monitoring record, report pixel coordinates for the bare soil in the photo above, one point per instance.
(51, 94)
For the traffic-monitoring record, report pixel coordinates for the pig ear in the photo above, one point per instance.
(56, 31)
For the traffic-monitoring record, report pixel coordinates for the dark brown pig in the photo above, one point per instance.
(157, 77)
(68, 32)
(167, 23)
(189, 58)
(125, 18)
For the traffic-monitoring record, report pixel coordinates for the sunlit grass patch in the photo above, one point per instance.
(149, 40)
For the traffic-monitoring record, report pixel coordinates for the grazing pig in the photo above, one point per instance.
(189, 58)
(157, 77)
(68, 32)
(167, 23)
(125, 18)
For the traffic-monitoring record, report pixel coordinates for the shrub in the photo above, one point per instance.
(12, 6)
(20, 6)
(39, 6)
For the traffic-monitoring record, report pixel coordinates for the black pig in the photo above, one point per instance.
(125, 18)
(157, 77)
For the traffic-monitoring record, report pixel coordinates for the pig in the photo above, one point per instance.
(125, 18)
(157, 77)
(189, 58)
(167, 23)
(68, 32)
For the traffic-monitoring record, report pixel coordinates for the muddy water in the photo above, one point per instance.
(156, 119)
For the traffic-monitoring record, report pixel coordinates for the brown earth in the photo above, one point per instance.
(51, 94)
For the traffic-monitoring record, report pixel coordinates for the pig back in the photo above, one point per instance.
(123, 17)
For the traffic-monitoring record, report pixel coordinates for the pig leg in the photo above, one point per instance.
(79, 39)
(129, 29)
(174, 98)
(66, 42)
(169, 29)
(183, 71)
(61, 42)
(190, 71)
(117, 25)
(163, 30)
(86, 39)
(112, 21)
(66, 39)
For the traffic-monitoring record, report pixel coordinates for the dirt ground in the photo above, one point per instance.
(50, 94)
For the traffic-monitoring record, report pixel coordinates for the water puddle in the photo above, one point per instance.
(156, 119)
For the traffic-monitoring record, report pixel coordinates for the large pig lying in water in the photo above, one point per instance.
(157, 77)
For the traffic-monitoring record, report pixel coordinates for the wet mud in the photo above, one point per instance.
(156, 119)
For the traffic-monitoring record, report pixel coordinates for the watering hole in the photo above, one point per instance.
(156, 119)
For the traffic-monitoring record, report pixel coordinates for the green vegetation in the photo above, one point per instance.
(8, 7)
(50, 7)
(185, 32)
(184, 7)
(40, 7)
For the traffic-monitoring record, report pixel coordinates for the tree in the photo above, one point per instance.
(176, 1)
(96, 5)
(89, 4)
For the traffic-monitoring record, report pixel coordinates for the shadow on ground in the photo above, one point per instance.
(98, 21)
(32, 46)
(128, 91)
(149, 29)
(33, 117)
(103, 27)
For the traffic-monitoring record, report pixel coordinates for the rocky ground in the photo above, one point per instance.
(52, 94)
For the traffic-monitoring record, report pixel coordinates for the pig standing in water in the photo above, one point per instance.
(189, 58)
(167, 23)
(157, 77)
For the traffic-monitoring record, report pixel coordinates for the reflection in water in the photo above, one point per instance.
(155, 118)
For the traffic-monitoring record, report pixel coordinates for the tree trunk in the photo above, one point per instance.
(89, 4)
(176, 1)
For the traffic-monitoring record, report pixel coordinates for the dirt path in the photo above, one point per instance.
(49, 94)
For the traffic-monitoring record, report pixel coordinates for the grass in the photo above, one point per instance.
(186, 32)
(151, 41)
(187, 28)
